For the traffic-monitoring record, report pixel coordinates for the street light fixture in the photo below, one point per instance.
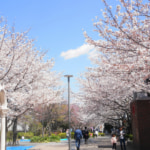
(69, 76)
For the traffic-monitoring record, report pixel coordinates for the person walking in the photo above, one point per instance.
(96, 132)
(122, 140)
(86, 135)
(114, 141)
(78, 135)
(67, 134)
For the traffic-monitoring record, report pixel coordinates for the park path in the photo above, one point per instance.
(100, 143)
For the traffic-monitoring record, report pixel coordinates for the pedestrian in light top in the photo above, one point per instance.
(114, 141)
(96, 133)
(67, 133)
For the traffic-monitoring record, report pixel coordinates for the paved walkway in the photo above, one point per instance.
(100, 143)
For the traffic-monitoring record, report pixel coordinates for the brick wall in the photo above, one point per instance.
(140, 113)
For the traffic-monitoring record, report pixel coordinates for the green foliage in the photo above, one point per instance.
(56, 118)
(35, 139)
(62, 135)
(90, 134)
(20, 134)
(54, 138)
(39, 139)
(94, 135)
(53, 134)
(101, 134)
(26, 135)
(72, 135)
(129, 136)
(35, 127)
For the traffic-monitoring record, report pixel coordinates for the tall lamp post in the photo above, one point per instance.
(69, 76)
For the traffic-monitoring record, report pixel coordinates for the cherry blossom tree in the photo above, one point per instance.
(26, 74)
(122, 62)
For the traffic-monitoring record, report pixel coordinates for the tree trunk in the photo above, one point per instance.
(42, 130)
(25, 128)
(15, 131)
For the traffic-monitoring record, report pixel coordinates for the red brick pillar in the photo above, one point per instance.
(140, 113)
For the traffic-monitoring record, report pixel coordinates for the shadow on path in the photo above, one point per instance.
(104, 146)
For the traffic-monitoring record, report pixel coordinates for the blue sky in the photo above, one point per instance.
(57, 26)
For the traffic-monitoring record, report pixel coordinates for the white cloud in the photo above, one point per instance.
(72, 53)
(93, 54)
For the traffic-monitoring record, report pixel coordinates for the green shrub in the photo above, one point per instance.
(54, 138)
(35, 139)
(101, 134)
(62, 135)
(39, 139)
(26, 135)
(93, 135)
(129, 136)
(53, 134)
(90, 134)
(72, 135)
(20, 134)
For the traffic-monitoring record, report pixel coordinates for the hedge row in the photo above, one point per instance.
(30, 135)
(26, 135)
(52, 138)
(63, 135)
(101, 134)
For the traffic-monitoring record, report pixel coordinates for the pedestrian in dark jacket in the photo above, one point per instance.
(78, 136)
(86, 135)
